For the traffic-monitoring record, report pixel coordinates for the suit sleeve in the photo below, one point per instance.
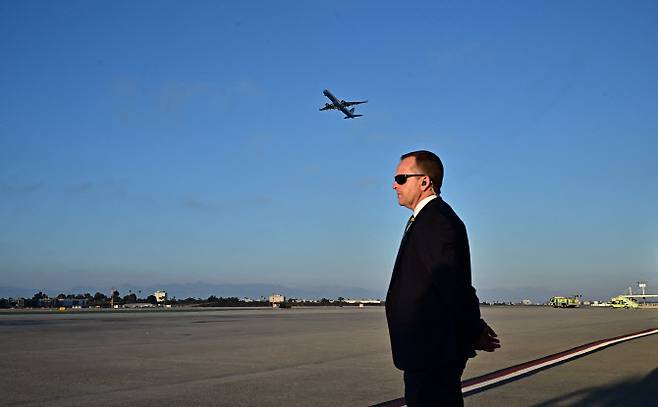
(445, 253)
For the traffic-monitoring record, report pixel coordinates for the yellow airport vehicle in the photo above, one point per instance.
(621, 301)
(564, 302)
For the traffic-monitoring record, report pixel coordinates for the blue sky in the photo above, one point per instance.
(176, 142)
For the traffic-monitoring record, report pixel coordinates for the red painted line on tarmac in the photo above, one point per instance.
(515, 372)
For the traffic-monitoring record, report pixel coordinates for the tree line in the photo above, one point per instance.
(42, 300)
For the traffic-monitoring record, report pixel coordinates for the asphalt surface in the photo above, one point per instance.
(303, 357)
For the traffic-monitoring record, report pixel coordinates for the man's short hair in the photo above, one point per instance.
(430, 164)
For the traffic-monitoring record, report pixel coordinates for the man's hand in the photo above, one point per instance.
(488, 340)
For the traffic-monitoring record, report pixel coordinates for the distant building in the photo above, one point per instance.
(363, 301)
(160, 296)
(276, 299)
(526, 302)
(47, 302)
(72, 302)
(139, 305)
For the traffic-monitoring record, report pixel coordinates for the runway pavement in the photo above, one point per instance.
(303, 357)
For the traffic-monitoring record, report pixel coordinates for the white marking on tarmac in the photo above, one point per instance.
(509, 373)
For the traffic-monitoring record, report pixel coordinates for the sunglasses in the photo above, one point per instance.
(401, 179)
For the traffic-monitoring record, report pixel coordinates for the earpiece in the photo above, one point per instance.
(423, 183)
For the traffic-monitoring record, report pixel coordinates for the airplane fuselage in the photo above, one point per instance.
(331, 97)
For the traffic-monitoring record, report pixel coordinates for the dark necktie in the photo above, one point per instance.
(409, 222)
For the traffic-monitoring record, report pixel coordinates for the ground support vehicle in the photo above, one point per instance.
(564, 302)
(622, 301)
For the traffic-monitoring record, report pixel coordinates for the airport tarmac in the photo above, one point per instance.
(312, 356)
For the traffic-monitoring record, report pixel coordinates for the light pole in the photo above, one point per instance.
(642, 285)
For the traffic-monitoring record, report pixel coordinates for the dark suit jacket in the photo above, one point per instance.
(432, 311)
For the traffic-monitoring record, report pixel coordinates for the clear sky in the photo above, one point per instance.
(181, 141)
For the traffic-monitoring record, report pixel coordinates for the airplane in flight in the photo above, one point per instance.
(341, 105)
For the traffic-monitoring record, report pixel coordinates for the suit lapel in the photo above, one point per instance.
(405, 237)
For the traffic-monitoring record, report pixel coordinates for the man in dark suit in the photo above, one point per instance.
(432, 311)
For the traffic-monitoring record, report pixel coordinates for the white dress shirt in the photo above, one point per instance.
(422, 204)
